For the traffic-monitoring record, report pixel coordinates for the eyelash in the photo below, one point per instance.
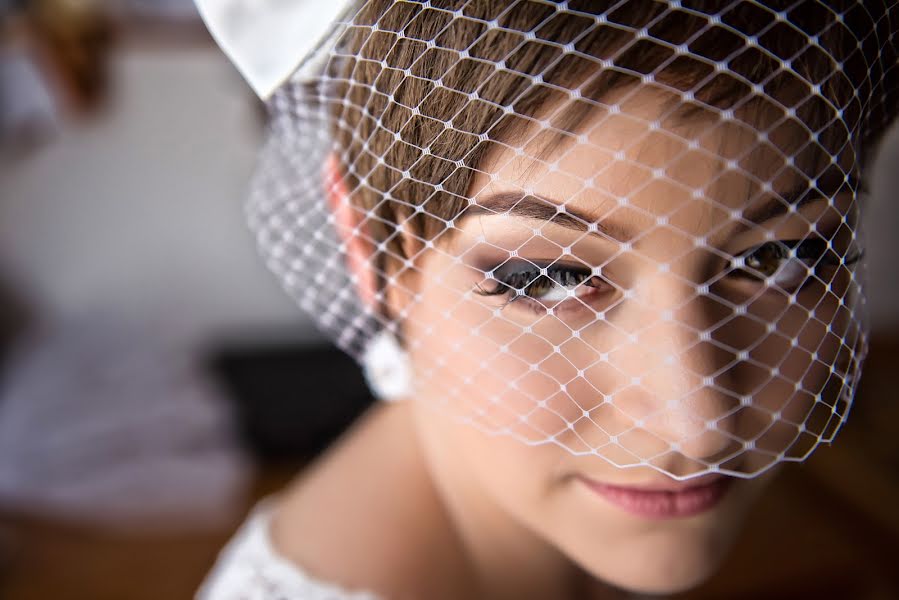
(812, 252)
(522, 279)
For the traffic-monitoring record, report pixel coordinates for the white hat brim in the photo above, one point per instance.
(268, 39)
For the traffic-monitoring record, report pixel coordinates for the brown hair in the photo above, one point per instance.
(425, 90)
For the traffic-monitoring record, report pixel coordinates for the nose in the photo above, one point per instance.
(673, 373)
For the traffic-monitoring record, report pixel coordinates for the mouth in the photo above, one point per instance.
(665, 500)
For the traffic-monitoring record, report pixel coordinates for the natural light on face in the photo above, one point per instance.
(685, 308)
(676, 313)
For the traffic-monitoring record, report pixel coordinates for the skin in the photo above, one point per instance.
(417, 502)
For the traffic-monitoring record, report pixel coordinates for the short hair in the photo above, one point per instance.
(422, 91)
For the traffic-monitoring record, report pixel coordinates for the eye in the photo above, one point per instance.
(787, 263)
(547, 285)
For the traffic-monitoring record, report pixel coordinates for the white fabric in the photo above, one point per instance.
(267, 39)
(249, 568)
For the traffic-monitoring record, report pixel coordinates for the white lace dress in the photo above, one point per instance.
(249, 568)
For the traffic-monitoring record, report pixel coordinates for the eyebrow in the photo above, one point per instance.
(529, 206)
(534, 207)
(828, 185)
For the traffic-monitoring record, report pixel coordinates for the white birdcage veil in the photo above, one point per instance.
(425, 114)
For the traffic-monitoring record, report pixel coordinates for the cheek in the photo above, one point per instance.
(800, 378)
(515, 484)
(477, 401)
(483, 369)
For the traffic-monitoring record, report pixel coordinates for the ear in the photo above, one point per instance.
(350, 226)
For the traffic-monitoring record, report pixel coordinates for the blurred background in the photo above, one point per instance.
(155, 382)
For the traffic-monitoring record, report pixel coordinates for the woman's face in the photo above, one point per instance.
(629, 308)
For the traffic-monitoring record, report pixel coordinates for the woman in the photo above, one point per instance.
(602, 257)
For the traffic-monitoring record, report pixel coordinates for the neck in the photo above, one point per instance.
(504, 558)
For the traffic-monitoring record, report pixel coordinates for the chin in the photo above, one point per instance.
(663, 577)
(655, 555)
(664, 559)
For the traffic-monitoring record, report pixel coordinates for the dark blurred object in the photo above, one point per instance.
(15, 317)
(76, 36)
(877, 414)
(292, 401)
(54, 57)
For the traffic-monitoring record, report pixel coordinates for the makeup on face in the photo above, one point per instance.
(524, 279)
(666, 499)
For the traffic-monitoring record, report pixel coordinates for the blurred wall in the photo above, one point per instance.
(140, 209)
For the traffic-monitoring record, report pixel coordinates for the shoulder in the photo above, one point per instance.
(249, 568)
(362, 514)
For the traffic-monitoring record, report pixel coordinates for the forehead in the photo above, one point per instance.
(639, 157)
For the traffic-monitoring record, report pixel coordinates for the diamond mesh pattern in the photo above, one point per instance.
(626, 228)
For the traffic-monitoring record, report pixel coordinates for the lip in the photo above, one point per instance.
(665, 499)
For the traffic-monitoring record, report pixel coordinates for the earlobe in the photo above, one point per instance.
(351, 229)
(384, 362)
